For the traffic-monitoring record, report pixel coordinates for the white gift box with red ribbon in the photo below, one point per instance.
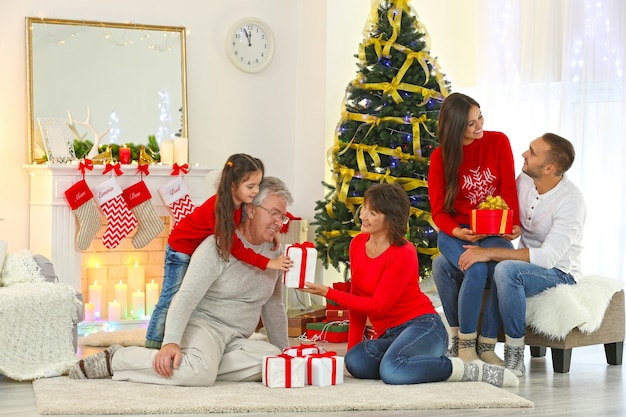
(323, 369)
(304, 257)
(283, 371)
(303, 350)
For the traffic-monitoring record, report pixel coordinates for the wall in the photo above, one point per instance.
(284, 115)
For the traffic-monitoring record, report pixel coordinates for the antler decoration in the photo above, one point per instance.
(87, 123)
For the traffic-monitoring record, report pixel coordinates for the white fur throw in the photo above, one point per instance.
(20, 267)
(36, 322)
(556, 311)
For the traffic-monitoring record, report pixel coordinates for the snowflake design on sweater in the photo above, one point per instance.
(479, 184)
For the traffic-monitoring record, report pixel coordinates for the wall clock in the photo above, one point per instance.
(250, 44)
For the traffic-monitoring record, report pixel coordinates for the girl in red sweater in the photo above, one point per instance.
(469, 165)
(410, 339)
(219, 215)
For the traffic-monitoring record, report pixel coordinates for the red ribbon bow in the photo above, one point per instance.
(300, 349)
(143, 169)
(87, 165)
(116, 168)
(178, 168)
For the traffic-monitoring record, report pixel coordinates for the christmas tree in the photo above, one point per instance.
(386, 133)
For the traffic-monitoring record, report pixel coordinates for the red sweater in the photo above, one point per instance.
(487, 169)
(199, 224)
(385, 289)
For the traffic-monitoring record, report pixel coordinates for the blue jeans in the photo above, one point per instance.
(516, 280)
(174, 269)
(461, 292)
(410, 353)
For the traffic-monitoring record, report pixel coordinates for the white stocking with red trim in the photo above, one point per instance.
(176, 196)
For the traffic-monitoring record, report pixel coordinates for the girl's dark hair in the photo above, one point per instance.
(392, 201)
(450, 131)
(237, 169)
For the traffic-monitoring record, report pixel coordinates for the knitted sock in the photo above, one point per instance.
(138, 197)
(514, 355)
(467, 347)
(94, 366)
(486, 350)
(453, 349)
(482, 372)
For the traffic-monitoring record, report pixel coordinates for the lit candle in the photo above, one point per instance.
(152, 296)
(124, 155)
(115, 313)
(98, 274)
(138, 304)
(136, 277)
(95, 298)
(166, 150)
(181, 150)
(121, 294)
(90, 311)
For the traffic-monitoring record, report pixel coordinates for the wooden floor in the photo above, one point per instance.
(591, 388)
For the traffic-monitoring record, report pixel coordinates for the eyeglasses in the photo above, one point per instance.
(276, 215)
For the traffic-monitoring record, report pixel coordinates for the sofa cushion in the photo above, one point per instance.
(20, 267)
(46, 269)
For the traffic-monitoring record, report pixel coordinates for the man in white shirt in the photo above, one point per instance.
(552, 215)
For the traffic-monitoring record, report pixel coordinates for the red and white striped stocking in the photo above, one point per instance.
(176, 196)
(120, 219)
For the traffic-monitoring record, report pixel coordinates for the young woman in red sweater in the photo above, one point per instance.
(469, 165)
(410, 341)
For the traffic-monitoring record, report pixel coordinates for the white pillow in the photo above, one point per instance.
(20, 267)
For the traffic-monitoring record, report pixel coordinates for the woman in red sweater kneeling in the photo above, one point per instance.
(410, 339)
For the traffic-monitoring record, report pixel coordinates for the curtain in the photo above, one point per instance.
(558, 66)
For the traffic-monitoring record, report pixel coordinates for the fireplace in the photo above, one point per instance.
(53, 228)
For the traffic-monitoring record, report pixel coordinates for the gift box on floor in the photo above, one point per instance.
(297, 324)
(304, 257)
(339, 314)
(491, 222)
(334, 332)
(303, 350)
(341, 286)
(324, 369)
(283, 371)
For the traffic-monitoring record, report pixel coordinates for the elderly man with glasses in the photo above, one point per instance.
(213, 315)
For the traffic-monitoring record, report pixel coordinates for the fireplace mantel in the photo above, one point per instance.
(53, 225)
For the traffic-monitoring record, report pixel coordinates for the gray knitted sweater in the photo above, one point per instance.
(233, 293)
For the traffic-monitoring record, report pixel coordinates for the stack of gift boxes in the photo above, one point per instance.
(298, 366)
(334, 327)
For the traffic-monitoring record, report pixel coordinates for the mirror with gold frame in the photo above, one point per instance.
(126, 77)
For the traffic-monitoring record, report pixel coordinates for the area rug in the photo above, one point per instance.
(62, 395)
